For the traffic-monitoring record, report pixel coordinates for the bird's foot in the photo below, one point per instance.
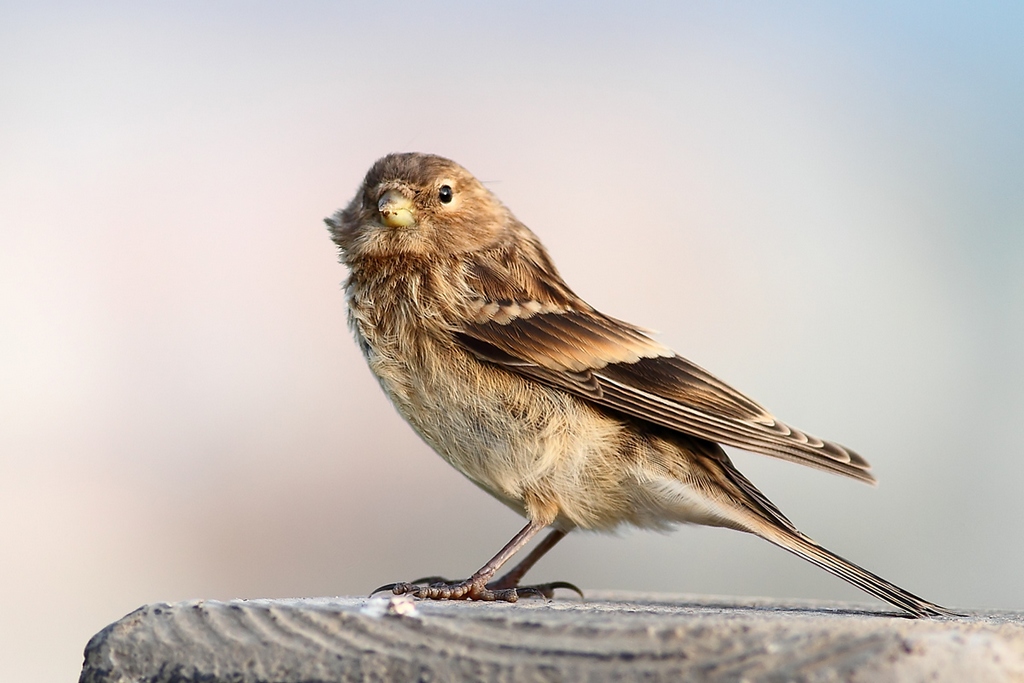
(440, 588)
(468, 589)
(537, 590)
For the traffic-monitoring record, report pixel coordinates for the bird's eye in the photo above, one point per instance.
(445, 194)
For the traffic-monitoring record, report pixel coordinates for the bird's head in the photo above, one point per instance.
(418, 204)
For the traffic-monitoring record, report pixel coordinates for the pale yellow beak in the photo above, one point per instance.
(396, 209)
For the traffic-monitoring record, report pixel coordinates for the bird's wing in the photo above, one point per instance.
(618, 366)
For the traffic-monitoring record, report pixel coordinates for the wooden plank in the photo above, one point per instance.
(610, 636)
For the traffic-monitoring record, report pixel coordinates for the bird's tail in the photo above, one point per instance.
(742, 506)
(798, 544)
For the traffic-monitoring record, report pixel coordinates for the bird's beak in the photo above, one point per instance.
(396, 209)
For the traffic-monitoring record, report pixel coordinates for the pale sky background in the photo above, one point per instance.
(823, 203)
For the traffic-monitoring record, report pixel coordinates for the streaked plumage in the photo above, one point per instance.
(571, 417)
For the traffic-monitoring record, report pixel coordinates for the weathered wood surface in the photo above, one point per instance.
(610, 636)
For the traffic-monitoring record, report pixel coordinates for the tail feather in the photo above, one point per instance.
(798, 544)
(762, 518)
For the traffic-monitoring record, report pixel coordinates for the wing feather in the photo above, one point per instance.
(619, 367)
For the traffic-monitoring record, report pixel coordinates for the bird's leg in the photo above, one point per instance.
(512, 577)
(475, 587)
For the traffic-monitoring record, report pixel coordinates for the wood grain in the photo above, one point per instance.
(609, 637)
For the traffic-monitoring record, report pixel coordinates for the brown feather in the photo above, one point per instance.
(641, 378)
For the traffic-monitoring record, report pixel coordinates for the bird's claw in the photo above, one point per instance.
(549, 588)
(407, 587)
(450, 590)
(438, 588)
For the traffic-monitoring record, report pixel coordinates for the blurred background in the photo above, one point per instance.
(823, 204)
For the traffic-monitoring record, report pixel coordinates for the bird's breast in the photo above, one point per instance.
(516, 438)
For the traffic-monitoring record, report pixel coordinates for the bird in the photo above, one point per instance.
(570, 417)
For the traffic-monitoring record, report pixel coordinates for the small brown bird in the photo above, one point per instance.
(570, 417)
